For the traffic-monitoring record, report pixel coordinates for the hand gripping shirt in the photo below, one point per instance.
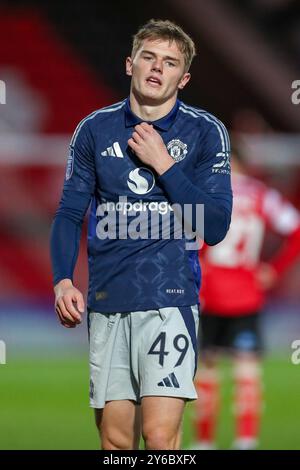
(137, 252)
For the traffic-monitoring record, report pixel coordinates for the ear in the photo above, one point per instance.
(184, 80)
(129, 66)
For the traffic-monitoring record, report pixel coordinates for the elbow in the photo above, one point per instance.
(68, 216)
(216, 232)
(212, 240)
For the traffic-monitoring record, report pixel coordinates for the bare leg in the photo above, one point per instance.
(161, 422)
(119, 425)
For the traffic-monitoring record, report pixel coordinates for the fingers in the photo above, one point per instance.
(145, 141)
(79, 302)
(137, 138)
(66, 323)
(145, 127)
(66, 311)
(141, 131)
(71, 309)
(132, 144)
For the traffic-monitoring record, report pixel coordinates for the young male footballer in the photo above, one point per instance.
(134, 161)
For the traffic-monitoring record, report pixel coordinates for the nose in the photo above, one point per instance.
(157, 66)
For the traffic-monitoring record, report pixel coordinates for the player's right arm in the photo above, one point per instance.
(79, 187)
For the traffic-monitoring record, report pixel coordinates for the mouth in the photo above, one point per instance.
(153, 81)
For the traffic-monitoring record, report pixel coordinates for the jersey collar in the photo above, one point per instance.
(162, 124)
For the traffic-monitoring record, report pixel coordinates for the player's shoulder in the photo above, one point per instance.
(202, 118)
(89, 124)
(103, 113)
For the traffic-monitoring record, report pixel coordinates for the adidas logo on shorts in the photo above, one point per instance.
(170, 381)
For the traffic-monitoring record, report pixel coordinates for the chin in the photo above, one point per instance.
(151, 96)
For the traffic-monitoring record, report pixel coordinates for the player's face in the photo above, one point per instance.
(157, 71)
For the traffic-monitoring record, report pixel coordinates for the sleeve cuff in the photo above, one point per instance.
(173, 170)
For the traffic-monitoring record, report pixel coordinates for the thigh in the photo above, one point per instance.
(119, 424)
(163, 415)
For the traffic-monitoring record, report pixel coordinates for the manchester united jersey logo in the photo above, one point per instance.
(177, 149)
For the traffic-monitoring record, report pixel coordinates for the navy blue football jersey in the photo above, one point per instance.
(128, 272)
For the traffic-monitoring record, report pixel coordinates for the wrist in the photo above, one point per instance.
(63, 284)
(164, 164)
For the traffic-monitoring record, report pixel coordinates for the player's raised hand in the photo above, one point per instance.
(69, 303)
(148, 145)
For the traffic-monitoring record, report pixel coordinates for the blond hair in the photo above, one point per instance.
(167, 30)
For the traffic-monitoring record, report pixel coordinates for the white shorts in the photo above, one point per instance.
(143, 353)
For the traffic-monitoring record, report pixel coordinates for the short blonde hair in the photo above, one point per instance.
(165, 29)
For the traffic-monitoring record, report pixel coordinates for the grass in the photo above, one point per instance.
(44, 405)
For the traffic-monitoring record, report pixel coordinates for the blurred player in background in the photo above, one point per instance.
(234, 285)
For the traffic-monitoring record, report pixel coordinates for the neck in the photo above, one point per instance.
(150, 110)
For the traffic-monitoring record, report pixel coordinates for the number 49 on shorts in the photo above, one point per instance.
(180, 344)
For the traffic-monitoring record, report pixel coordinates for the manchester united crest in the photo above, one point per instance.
(177, 149)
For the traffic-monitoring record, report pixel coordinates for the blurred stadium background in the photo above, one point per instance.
(60, 61)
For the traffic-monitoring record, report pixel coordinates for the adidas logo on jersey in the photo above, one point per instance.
(113, 151)
(170, 381)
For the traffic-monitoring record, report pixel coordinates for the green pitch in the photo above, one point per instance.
(44, 405)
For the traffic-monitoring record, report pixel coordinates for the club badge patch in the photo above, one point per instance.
(177, 149)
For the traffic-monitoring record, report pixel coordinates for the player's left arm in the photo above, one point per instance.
(211, 186)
